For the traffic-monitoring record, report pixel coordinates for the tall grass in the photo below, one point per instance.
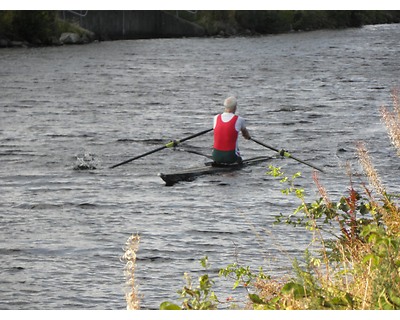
(129, 257)
(392, 120)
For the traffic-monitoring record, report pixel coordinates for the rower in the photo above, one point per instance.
(226, 133)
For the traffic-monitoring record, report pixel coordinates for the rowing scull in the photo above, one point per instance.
(209, 168)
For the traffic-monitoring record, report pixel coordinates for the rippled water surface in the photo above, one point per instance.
(63, 230)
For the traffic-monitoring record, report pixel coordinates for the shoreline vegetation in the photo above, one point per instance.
(39, 28)
(47, 28)
(352, 263)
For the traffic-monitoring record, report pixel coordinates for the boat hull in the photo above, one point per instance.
(209, 168)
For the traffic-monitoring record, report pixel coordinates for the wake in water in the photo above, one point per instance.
(86, 161)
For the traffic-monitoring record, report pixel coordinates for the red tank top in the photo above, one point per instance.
(225, 134)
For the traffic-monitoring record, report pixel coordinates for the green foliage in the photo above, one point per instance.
(384, 261)
(350, 212)
(363, 250)
(295, 289)
(308, 289)
(31, 26)
(289, 181)
(166, 305)
(279, 21)
(265, 22)
(241, 275)
(313, 20)
(37, 27)
(200, 297)
(6, 18)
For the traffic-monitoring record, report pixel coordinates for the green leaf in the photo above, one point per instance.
(338, 301)
(296, 289)
(296, 175)
(395, 299)
(204, 262)
(166, 305)
(255, 298)
(374, 259)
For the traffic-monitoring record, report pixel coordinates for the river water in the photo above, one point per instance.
(63, 230)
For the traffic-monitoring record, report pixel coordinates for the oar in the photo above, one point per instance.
(168, 145)
(286, 154)
(196, 152)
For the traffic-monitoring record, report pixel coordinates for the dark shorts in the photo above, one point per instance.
(225, 156)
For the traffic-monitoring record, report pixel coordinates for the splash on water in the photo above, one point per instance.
(86, 161)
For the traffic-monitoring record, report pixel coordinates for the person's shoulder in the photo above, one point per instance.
(241, 120)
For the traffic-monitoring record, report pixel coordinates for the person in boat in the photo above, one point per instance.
(226, 134)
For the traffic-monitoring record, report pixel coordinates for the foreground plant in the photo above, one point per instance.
(129, 257)
(200, 297)
(358, 265)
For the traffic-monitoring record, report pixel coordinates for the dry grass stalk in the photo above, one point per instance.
(369, 169)
(395, 98)
(392, 123)
(392, 120)
(390, 213)
(270, 288)
(357, 278)
(131, 247)
(322, 190)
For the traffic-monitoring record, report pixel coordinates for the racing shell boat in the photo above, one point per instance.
(209, 168)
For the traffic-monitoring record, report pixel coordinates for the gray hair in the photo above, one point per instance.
(230, 103)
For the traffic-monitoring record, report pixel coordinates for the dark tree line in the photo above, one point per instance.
(40, 27)
(280, 21)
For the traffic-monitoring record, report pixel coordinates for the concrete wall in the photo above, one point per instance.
(115, 25)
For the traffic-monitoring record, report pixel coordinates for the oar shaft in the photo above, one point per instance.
(137, 157)
(194, 135)
(306, 163)
(264, 145)
(286, 154)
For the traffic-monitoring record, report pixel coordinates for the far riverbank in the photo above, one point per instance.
(53, 28)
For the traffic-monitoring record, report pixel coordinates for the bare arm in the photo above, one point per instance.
(246, 133)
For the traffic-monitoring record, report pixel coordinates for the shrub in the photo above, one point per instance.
(359, 266)
(33, 26)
